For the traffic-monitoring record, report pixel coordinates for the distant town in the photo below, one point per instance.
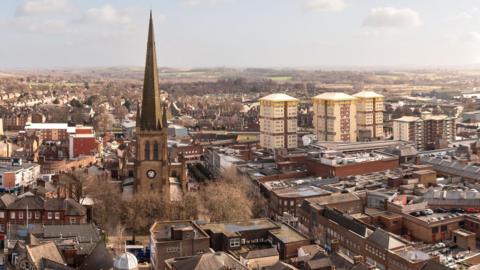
(261, 169)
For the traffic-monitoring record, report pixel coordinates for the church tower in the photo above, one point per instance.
(152, 164)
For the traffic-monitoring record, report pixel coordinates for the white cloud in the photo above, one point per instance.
(192, 3)
(325, 5)
(472, 36)
(35, 7)
(392, 17)
(466, 15)
(106, 14)
(49, 27)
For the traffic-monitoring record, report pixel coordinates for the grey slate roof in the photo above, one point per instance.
(346, 221)
(208, 261)
(6, 199)
(84, 232)
(280, 266)
(33, 203)
(98, 259)
(260, 253)
(70, 206)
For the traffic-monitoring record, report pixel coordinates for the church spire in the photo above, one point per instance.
(151, 105)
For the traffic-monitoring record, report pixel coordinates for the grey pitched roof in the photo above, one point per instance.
(280, 266)
(385, 239)
(98, 259)
(70, 206)
(346, 221)
(319, 263)
(261, 253)
(84, 232)
(32, 240)
(33, 203)
(208, 261)
(48, 251)
(433, 265)
(49, 264)
(6, 199)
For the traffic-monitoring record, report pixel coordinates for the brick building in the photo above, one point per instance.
(172, 239)
(254, 234)
(33, 209)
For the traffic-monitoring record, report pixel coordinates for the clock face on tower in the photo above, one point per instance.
(151, 174)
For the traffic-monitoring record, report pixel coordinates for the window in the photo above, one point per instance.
(37, 215)
(57, 215)
(73, 220)
(1, 228)
(235, 242)
(147, 151)
(173, 249)
(49, 215)
(435, 230)
(20, 215)
(29, 215)
(2, 214)
(12, 215)
(155, 151)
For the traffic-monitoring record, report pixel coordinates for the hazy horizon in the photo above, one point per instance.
(295, 34)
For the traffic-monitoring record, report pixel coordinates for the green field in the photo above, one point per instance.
(280, 78)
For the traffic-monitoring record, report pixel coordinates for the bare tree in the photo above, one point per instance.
(107, 199)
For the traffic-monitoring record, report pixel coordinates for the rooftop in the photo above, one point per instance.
(234, 228)
(278, 97)
(334, 96)
(163, 229)
(287, 234)
(367, 94)
(333, 199)
(408, 119)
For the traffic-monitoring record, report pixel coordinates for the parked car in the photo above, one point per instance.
(428, 211)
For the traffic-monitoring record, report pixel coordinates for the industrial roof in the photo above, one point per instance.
(278, 97)
(334, 96)
(367, 94)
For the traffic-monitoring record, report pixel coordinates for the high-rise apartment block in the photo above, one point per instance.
(335, 117)
(369, 115)
(427, 131)
(278, 121)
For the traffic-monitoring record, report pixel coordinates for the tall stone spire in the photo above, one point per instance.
(151, 114)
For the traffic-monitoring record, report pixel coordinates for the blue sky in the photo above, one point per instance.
(241, 33)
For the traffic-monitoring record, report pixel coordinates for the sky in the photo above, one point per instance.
(241, 33)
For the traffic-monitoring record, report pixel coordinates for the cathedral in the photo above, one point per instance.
(153, 168)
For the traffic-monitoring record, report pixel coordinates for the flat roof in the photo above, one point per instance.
(287, 234)
(367, 94)
(463, 232)
(163, 230)
(408, 119)
(334, 96)
(333, 198)
(233, 228)
(278, 97)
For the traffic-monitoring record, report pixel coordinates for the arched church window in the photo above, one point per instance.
(147, 150)
(155, 151)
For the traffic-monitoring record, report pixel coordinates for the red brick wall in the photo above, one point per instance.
(83, 146)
